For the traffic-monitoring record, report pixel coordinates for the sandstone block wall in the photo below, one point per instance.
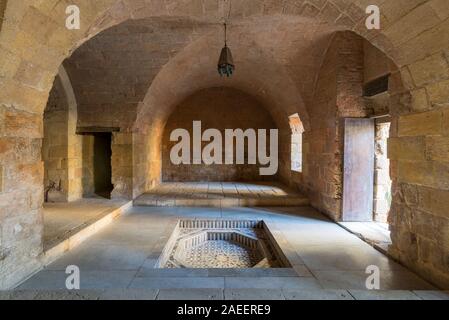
(122, 165)
(141, 178)
(216, 108)
(88, 165)
(419, 219)
(55, 142)
(21, 196)
(61, 147)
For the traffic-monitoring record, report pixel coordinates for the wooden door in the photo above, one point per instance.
(358, 178)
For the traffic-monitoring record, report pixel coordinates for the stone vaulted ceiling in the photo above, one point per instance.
(113, 71)
(163, 60)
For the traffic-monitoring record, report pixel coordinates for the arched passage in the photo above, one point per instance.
(219, 109)
(61, 147)
(193, 69)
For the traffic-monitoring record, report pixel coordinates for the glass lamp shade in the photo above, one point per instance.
(226, 63)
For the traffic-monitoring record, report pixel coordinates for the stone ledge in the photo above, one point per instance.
(77, 238)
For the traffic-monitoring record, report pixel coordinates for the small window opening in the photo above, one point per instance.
(296, 142)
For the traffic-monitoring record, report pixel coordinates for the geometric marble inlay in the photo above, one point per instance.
(227, 244)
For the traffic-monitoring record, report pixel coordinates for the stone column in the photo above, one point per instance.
(21, 194)
(122, 165)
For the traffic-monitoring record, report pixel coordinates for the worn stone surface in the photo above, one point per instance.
(114, 259)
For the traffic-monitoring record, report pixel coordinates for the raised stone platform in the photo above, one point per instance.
(221, 194)
(66, 225)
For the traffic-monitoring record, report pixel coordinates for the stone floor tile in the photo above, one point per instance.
(18, 294)
(253, 294)
(173, 273)
(432, 294)
(68, 295)
(356, 280)
(271, 283)
(129, 294)
(254, 272)
(190, 294)
(181, 283)
(99, 257)
(316, 294)
(383, 295)
(345, 258)
(46, 280)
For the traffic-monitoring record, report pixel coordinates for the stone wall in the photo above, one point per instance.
(376, 63)
(122, 165)
(22, 194)
(350, 63)
(419, 218)
(216, 108)
(55, 143)
(338, 94)
(141, 179)
(62, 147)
(2, 12)
(88, 166)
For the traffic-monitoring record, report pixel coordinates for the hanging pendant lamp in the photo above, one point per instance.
(226, 62)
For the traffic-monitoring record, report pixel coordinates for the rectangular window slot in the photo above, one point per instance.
(377, 86)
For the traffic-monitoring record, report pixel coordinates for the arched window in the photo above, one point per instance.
(296, 144)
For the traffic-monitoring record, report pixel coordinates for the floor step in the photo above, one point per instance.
(149, 200)
(221, 195)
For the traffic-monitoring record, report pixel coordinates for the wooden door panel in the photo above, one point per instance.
(358, 175)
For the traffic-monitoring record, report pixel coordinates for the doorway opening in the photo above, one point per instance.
(102, 169)
(382, 180)
(97, 167)
(366, 183)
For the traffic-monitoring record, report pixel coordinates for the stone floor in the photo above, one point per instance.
(327, 261)
(375, 233)
(62, 220)
(221, 194)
